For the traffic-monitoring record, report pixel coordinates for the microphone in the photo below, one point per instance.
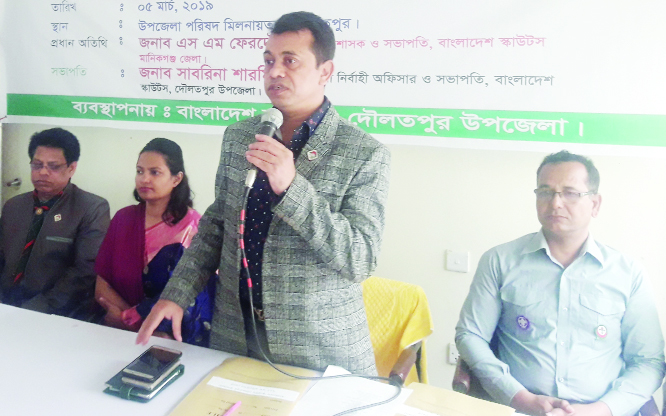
(251, 176)
(271, 120)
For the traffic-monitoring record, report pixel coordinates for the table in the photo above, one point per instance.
(53, 366)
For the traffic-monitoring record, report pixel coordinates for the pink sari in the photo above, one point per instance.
(138, 263)
(128, 248)
(161, 234)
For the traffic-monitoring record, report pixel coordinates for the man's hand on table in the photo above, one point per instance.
(162, 309)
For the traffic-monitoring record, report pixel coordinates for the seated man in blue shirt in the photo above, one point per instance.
(577, 329)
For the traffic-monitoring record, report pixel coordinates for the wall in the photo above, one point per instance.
(440, 198)
(3, 80)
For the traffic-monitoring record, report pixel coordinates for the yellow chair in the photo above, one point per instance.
(399, 320)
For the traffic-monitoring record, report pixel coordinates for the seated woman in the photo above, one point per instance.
(144, 243)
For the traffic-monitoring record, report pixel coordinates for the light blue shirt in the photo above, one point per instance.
(585, 333)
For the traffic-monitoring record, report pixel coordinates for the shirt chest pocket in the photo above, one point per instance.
(601, 317)
(522, 312)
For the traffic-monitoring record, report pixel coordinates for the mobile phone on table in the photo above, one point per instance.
(149, 394)
(149, 385)
(116, 387)
(153, 363)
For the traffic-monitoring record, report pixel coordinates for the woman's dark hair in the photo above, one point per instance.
(181, 195)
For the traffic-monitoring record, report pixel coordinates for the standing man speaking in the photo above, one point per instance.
(314, 223)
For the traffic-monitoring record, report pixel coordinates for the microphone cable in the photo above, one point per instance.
(394, 380)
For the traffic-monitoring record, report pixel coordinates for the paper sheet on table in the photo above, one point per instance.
(427, 400)
(261, 389)
(328, 397)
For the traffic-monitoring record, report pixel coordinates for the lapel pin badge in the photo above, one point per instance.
(39, 211)
(312, 155)
(523, 323)
(57, 217)
(601, 331)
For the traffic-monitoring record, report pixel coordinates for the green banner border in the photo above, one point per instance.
(530, 126)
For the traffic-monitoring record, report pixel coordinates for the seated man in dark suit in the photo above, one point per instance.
(49, 237)
(576, 325)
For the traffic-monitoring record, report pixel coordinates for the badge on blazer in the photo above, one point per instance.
(57, 217)
(601, 331)
(312, 155)
(39, 211)
(523, 323)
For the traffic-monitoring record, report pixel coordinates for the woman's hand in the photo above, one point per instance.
(113, 315)
(112, 302)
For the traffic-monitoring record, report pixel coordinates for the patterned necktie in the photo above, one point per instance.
(40, 209)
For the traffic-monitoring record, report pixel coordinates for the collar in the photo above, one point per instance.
(48, 203)
(64, 191)
(592, 248)
(306, 130)
(317, 116)
(538, 242)
(312, 122)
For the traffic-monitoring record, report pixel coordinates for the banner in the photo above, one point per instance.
(568, 71)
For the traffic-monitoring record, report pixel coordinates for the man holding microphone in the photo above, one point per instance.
(314, 223)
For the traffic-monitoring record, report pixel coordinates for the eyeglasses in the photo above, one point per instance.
(567, 196)
(51, 167)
